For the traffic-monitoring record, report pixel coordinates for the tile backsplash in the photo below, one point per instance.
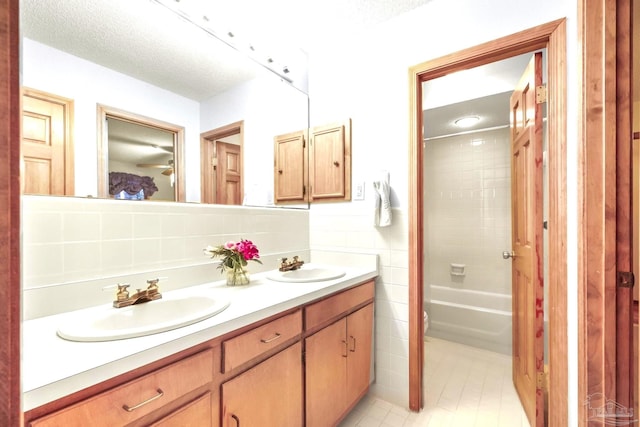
(76, 242)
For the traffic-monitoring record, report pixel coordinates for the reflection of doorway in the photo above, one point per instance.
(551, 36)
(140, 145)
(142, 151)
(47, 144)
(221, 165)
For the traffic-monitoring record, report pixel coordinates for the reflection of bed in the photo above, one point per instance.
(131, 184)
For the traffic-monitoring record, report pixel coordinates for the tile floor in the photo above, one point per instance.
(465, 387)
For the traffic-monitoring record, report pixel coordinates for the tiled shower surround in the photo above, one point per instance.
(467, 208)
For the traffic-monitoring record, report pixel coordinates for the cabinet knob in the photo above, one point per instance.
(280, 171)
(336, 163)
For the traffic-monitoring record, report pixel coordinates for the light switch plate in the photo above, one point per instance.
(359, 191)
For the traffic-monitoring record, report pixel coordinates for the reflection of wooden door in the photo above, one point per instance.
(527, 269)
(47, 149)
(212, 165)
(229, 174)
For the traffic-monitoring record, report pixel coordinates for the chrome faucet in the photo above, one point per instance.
(290, 265)
(123, 299)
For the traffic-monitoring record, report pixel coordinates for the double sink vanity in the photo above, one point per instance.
(289, 349)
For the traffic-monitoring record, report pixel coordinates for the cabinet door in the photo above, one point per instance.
(326, 373)
(290, 171)
(194, 414)
(359, 339)
(269, 394)
(330, 162)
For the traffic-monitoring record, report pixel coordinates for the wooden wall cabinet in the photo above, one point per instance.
(330, 162)
(313, 165)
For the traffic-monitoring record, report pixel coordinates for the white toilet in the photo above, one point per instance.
(426, 322)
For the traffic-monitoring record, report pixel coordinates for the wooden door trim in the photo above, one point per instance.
(603, 246)
(67, 104)
(10, 290)
(103, 112)
(551, 35)
(206, 152)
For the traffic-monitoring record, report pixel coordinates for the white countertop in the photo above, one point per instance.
(53, 367)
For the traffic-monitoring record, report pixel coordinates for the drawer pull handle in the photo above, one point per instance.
(353, 349)
(273, 338)
(149, 400)
(236, 419)
(346, 347)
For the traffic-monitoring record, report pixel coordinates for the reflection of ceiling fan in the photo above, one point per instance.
(168, 167)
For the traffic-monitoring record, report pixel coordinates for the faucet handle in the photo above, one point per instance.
(122, 293)
(153, 284)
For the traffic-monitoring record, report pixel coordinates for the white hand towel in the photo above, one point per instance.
(376, 204)
(384, 209)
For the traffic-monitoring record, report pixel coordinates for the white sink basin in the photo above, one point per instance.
(306, 273)
(108, 323)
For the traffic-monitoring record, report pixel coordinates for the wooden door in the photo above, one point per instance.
(527, 264)
(269, 394)
(326, 369)
(290, 168)
(47, 149)
(359, 340)
(229, 174)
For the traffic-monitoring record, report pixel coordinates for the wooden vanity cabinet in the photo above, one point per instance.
(338, 357)
(138, 398)
(193, 414)
(269, 394)
(314, 358)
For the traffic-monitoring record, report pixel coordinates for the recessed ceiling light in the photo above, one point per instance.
(468, 121)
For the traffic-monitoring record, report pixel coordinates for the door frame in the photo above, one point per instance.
(208, 177)
(551, 36)
(10, 289)
(604, 238)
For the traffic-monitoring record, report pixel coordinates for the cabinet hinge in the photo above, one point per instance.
(626, 279)
(541, 94)
(540, 380)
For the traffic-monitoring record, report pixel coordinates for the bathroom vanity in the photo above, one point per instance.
(281, 354)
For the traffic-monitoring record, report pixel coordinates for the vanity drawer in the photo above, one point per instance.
(126, 403)
(322, 311)
(245, 347)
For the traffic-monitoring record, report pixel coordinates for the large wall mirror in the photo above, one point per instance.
(141, 59)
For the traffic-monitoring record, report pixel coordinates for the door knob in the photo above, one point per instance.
(508, 254)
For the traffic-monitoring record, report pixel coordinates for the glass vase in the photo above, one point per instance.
(237, 277)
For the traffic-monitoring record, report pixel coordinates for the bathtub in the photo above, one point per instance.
(475, 318)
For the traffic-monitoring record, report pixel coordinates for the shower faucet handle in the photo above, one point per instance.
(508, 254)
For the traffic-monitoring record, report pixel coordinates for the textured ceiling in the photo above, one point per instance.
(145, 40)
